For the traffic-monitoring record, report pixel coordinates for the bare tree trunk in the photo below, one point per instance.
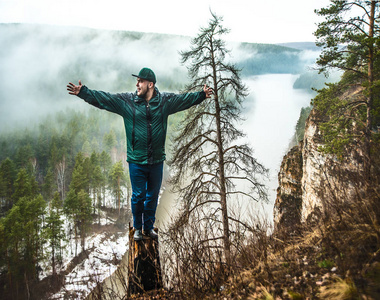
(9, 272)
(222, 180)
(27, 285)
(76, 240)
(118, 192)
(33, 162)
(53, 260)
(61, 168)
(83, 239)
(368, 160)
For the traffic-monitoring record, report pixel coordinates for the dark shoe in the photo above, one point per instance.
(151, 233)
(138, 235)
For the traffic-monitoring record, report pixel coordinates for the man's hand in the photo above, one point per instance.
(208, 91)
(74, 89)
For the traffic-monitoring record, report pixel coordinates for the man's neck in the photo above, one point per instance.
(150, 95)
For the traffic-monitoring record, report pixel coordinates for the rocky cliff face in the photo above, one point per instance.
(289, 192)
(310, 182)
(312, 168)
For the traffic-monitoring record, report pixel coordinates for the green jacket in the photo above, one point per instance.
(145, 123)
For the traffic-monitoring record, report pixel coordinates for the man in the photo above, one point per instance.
(145, 115)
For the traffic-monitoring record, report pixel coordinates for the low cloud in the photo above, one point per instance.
(37, 62)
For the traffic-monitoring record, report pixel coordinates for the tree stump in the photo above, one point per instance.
(144, 270)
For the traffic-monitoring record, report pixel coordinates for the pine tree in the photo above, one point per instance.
(23, 157)
(8, 176)
(86, 148)
(49, 185)
(54, 230)
(77, 204)
(3, 245)
(83, 215)
(118, 180)
(105, 165)
(109, 140)
(97, 182)
(71, 209)
(349, 38)
(24, 186)
(57, 162)
(96, 178)
(80, 177)
(207, 157)
(12, 236)
(32, 212)
(23, 240)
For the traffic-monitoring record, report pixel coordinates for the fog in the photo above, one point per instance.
(38, 61)
(271, 112)
(271, 120)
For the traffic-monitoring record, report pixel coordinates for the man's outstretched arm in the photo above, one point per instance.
(179, 102)
(103, 100)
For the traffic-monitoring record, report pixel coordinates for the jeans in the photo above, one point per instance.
(146, 184)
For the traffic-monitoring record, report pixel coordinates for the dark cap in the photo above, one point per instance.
(147, 74)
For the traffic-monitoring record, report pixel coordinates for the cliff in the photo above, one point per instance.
(289, 192)
(310, 182)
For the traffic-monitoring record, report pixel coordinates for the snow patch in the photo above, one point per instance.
(100, 264)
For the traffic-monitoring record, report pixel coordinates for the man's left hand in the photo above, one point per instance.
(208, 91)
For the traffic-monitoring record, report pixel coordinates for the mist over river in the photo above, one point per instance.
(270, 115)
(271, 120)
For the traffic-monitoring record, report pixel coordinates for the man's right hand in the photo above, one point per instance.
(74, 89)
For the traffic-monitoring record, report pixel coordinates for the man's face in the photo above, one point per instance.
(142, 87)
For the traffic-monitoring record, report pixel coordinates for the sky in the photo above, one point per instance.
(256, 21)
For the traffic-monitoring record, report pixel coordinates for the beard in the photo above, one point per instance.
(143, 93)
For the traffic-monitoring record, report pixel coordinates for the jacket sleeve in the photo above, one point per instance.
(103, 100)
(176, 103)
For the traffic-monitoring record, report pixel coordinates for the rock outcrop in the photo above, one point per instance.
(310, 182)
(289, 192)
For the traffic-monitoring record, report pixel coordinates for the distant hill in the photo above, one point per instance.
(301, 45)
(260, 59)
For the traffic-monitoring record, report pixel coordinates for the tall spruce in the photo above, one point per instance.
(22, 241)
(97, 179)
(105, 165)
(349, 38)
(208, 162)
(77, 205)
(54, 230)
(118, 179)
(7, 177)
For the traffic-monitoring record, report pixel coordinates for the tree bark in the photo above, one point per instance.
(118, 192)
(222, 179)
(144, 269)
(367, 167)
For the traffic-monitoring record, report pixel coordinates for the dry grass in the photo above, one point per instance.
(340, 289)
(335, 257)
